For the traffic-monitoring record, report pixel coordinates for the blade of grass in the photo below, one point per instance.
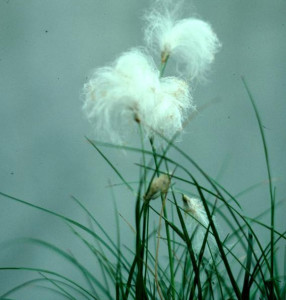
(51, 273)
(208, 179)
(270, 183)
(140, 287)
(245, 288)
(53, 282)
(67, 256)
(282, 235)
(54, 291)
(283, 294)
(211, 182)
(139, 248)
(69, 220)
(157, 253)
(101, 264)
(79, 225)
(119, 283)
(218, 241)
(106, 265)
(170, 251)
(31, 281)
(260, 261)
(87, 211)
(111, 165)
(191, 252)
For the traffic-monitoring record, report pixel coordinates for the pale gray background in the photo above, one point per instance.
(47, 50)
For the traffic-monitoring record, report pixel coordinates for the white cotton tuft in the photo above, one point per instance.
(197, 223)
(130, 91)
(192, 42)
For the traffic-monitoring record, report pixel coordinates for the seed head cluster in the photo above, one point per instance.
(132, 91)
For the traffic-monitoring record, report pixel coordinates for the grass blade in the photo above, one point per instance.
(245, 289)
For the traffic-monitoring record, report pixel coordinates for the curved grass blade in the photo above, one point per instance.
(111, 165)
(71, 259)
(77, 224)
(61, 291)
(54, 291)
(94, 220)
(272, 198)
(246, 287)
(192, 255)
(51, 273)
(106, 266)
(205, 175)
(29, 282)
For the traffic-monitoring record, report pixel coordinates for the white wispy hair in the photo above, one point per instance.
(129, 91)
(197, 222)
(192, 42)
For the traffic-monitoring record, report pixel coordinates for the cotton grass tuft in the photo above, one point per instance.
(130, 91)
(197, 222)
(191, 42)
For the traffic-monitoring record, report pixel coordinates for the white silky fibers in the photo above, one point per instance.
(191, 42)
(130, 91)
(197, 223)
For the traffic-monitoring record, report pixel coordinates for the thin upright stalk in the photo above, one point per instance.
(157, 254)
(143, 155)
(164, 61)
(272, 200)
(170, 253)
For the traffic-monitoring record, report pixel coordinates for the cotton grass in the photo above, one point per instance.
(197, 222)
(119, 97)
(130, 91)
(191, 42)
(159, 185)
(133, 91)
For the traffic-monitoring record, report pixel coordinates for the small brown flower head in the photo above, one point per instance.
(159, 185)
(165, 56)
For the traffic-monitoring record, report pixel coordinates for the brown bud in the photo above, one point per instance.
(164, 56)
(159, 185)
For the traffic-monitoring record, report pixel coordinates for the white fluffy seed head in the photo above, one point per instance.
(113, 94)
(197, 222)
(195, 211)
(173, 101)
(130, 91)
(192, 42)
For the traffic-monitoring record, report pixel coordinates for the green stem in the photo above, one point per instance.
(143, 156)
(147, 241)
(139, 256)
(154, 156)
(171, 261)
(163, 65)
